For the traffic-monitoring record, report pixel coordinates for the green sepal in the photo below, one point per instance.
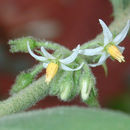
(112, 58)
(76, 77)
(96, 58)
(92, 101)
(100, 44)
(39, 52)
(56, 83)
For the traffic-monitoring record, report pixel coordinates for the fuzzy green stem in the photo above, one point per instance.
(50, 45)
(36, 69)
(25, 98)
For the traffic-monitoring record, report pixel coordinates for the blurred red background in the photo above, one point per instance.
(68, 22)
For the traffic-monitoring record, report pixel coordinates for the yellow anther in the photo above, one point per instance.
(51, 71)
(115, 53)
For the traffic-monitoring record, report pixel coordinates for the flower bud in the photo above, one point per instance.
(22, 80)
(87, 83)
(56, 83)
(20, 45)
(76, 76)
(62, 85)
(66, 87)
(92, 100)
(86, 87)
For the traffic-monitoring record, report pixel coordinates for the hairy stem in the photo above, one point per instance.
(36, 69)
(51, 45)
(25, 98)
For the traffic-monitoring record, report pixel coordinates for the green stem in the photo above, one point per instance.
(50, 45)
(36, 69)
(25, 98)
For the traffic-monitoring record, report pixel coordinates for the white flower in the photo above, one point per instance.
(110, 46)
(52, 63)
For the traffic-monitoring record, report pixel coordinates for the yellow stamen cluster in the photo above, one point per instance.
(51, 71)
(115, 53)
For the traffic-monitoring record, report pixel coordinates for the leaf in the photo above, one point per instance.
(67, 118)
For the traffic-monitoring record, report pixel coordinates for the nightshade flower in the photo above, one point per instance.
(110, 46)
(52, 63)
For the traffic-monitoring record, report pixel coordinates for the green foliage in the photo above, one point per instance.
(55, 83)
(66, 87)
(38, 89)
(119, 5)
(63, 86)
(25, 98)
(87, 80)
(25, 78)
(76, 77)
(20, 44)
(66, 118)
(92, 101)
(22, 80)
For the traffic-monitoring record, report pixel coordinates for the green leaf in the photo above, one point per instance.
(66, 118)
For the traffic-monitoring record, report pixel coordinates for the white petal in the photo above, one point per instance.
(91, 52)
(121, 49)
(120, 37)
(72, 57)
(40, 58)
(64, 67)
(106, 32)
(46, 54)
(45, 65)
(101, 60)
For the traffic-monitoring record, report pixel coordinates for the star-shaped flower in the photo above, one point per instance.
(52, 63)
(110, 46)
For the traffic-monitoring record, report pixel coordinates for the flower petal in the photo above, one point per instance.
(72, 57)
(46, 54)
(45, 65)
(40, 58)
(101, 60)
(120, 37)
(91, 52)
(121, 49)
(106, 32)
(64, 67)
